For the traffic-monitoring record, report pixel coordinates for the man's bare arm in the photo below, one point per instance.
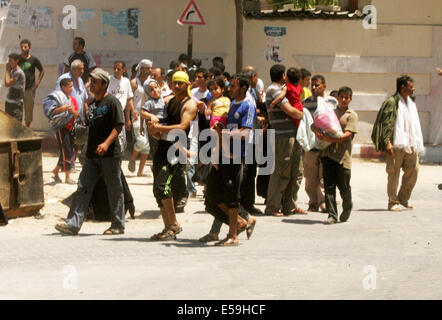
(187, 116)
(8, 80)
(40, 77)
(291, 111)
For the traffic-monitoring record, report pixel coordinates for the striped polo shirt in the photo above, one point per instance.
(279, 120)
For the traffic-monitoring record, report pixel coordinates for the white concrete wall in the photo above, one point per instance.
(161, 39)
(408, 39)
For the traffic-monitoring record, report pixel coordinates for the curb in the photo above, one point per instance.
(433, 153)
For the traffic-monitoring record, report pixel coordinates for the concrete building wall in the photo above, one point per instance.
(161, 39)
(407, 40)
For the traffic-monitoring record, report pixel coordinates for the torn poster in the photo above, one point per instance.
(13, 16)
(274, 36)
(84, 15)
(4, 3)
(28, 17)
(125, 22)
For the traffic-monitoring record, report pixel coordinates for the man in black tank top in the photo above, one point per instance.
(181, 110)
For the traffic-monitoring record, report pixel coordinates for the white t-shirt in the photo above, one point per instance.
(165, 90)
(120, 89)
(139, 96)
(199, 95)
(260, 89)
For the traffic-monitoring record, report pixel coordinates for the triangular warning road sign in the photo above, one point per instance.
(191, 15)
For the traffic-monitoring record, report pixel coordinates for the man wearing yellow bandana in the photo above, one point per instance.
(181, 110)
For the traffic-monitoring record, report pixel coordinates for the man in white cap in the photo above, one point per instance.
(141, 145)
(103, 158)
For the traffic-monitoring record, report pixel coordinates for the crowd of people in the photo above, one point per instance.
(154, 102)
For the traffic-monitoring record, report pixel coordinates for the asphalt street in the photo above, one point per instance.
(377, 254)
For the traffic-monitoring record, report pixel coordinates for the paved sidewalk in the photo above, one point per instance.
(294, 257)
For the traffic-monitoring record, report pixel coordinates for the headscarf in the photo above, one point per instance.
(145, 63)
(157, 103)
(181, 76)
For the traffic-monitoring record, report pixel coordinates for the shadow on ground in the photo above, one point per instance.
(59, 234)
(149, 214)
(182, 243)
(298, 221)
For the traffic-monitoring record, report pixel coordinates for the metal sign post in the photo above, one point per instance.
(191, 16)
(189, 43)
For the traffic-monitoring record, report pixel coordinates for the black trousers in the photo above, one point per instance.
(335, 175)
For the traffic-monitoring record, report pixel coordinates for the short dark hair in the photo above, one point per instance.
(174, 64)
(26, 41)
(219, 65)
(334, 93)
(319, 77)
(243, 80)
(294, 75)
(81, 41)
(305, 73)
(183, 58)
(170, 74)
(196, 62)
(216, 71)
(14, 56)
(217, 80)
(403, 81)
(277, 72)
(64, 82)
(162, 71)
(346, 90)
(203, 71)
(217, 59)
(122, 63)
(227, 76)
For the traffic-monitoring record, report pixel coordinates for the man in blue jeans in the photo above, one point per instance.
(103, 157)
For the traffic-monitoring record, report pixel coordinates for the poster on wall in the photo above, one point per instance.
(83, 16)
(38, 18)
(29, 17)
(124, 22)
(4, 3)
(13, 16)
(273, 40)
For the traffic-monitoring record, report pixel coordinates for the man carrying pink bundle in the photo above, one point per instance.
(336, 158)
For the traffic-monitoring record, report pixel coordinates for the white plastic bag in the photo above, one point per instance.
(305, 136)
(325, 119)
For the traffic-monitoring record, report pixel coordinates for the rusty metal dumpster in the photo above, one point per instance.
(21, 174)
